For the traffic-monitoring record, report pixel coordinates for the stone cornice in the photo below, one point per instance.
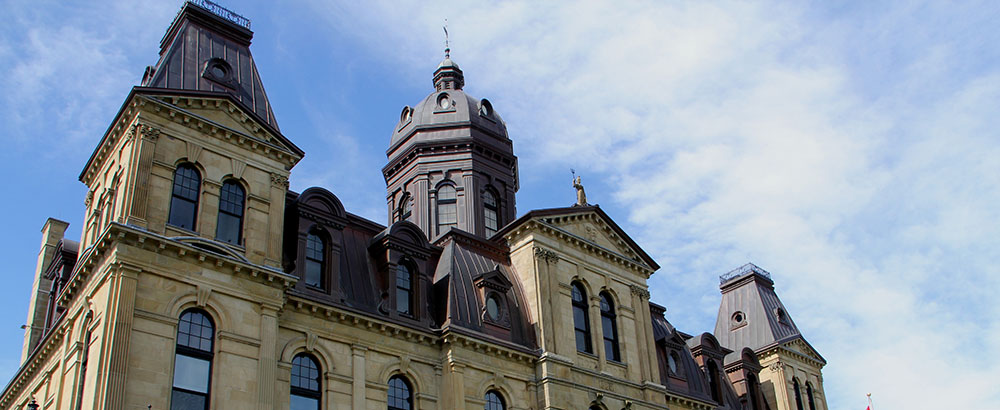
(117, 233)
(45, 348)
(581, 243)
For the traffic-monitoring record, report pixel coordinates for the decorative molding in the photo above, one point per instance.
(148, 132)
(193, 151)
(238, 168)
(311, 340)
(279, 181)
(640, 291)
(202, 296)
(89, 199)
(549, 256)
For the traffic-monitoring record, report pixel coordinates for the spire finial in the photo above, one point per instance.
(447, 47)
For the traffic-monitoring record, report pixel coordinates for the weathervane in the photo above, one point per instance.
(447, 47)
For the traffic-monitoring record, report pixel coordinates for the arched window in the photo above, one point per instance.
(798, 393)
(447, 208)
(494, 401)
(192, 361)
(752, 392)
(230, 224)
(315, 260)
(809, 396)
(404, 289)
(400, 396)
(609, 328)
(83, 367)
(404, 208)
(184, 200)
(714, 384)
(491, 213)
(305, 383)
(581, 320)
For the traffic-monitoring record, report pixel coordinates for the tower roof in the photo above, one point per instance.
(751, 314)
(207, 48)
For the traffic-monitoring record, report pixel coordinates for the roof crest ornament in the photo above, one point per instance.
(447, 47)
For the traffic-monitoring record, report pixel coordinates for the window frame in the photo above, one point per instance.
(409, 393)
(174, 196)
(584, 307)
(410, 291)
(609, 314)
(487, 209)
(441, 203)
(242, 208)
(809, 396)
(195, 353)
(294, 390)
(499, 400)
(323, 251)
(798, 393)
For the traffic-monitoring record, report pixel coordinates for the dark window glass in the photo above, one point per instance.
(713, 381)
(305, 383)
(404, 209)
(399, 397)
(230, 225)
(315, 260)
(809, 396)
(184, 200)
(83, 368)
(491, 213)
(609, 328)
(404, 289)
(192, 361)
(798, 394)
(752, 392)
(494, 401)
(581, 324)
(447, 208)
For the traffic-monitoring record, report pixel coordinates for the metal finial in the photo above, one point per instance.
(447, 47)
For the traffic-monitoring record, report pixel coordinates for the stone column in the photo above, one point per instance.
(267, 363)
(120, 306)
(358, 376)
(276, 219)
(141, 165)
(548, 290)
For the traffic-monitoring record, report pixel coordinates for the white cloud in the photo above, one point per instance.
(826, 146)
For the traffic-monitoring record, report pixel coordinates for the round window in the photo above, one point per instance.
(444, 102)
(738, 318)
(493, 307)
(218, 71)
(672, 362)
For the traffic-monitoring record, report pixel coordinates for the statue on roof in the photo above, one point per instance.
(581, 195)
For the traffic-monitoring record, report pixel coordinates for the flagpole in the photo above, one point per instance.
(870, 405)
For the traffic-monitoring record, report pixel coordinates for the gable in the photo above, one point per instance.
(802, 347)
(227, 116)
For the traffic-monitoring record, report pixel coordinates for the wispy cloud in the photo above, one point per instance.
(853, 152)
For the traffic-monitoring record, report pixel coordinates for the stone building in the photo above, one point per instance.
(201, 281)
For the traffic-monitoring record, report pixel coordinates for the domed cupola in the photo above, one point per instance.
(448, 76)
(451, 163)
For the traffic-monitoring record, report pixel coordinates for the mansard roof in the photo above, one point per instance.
(202, 51)
(749, 291)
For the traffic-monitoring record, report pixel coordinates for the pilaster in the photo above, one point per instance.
(267, 363)
(121, 305)
(144, 139)
(276, 216)
(358, 375)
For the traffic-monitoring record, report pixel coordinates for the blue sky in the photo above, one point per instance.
(850, 148)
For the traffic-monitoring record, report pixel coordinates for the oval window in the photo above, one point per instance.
(444, 102)
(493, 307)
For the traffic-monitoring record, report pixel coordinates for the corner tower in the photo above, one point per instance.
(752, 316)
(450, 161)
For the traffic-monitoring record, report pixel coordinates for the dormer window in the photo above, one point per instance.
(493, 287)
(315, 260)
(404, 289)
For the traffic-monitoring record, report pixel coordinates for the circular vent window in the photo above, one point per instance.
(444, 101)
(739, 318)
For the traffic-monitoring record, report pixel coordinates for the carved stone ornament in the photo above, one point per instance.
(148, 132)
(775, 366)
(89, 200)
(640, 291)
(280, 181)
(547, 255)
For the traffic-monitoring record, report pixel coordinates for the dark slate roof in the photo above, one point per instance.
(465, 257)
(195, 39)
(669, 339)
(465, 118)
(752, 293)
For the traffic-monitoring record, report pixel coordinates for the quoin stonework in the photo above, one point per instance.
(202, 282)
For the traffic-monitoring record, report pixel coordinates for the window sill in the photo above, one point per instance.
(587, 355)
(617, 363)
